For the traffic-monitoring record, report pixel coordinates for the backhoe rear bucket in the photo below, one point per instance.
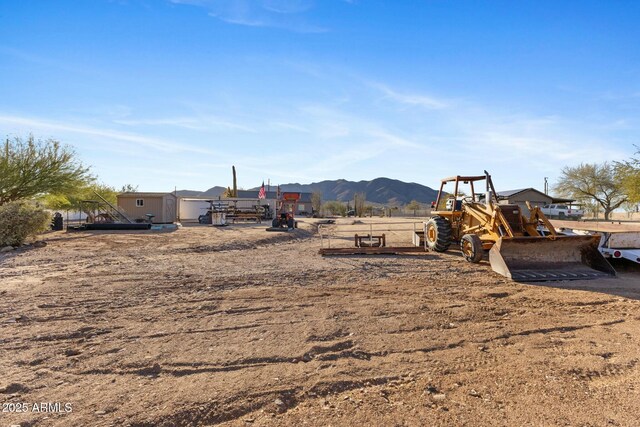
(534, 259)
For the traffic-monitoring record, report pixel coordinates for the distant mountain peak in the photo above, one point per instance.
(212, 192)
(379, 190)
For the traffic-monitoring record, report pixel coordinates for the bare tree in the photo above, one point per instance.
(316, 201)
(368, 210)
(631, 208)
(359, 200)
(414, 205)
(32, 168)
(593, 182)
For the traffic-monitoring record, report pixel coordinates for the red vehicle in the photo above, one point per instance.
(287, 205)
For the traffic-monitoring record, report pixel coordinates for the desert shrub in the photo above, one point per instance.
(335, 208)
(20, 220)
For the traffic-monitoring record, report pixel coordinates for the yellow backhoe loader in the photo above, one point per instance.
(522, 248)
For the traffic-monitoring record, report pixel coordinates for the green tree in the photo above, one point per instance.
(593, 182)
(129, 188)
(414, 205)
(628, 173)
(31, 168)
(335, 208)
(72, 200)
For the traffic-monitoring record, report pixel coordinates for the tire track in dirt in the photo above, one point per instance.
(275, 401)
(287, 337)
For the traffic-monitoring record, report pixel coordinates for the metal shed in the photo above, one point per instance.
(138, 206)
(190, 208)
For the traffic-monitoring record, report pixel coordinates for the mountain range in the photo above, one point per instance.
(379, 190)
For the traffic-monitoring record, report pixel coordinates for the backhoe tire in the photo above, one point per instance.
(471, 247)
(438, 234)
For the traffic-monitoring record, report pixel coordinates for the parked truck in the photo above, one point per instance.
(560, 211)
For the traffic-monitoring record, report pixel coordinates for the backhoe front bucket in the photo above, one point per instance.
(534, 259)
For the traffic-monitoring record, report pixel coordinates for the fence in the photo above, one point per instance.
(396, 233)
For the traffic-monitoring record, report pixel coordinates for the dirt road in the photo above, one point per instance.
(238, 326)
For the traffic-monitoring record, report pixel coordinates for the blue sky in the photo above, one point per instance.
(171, 93)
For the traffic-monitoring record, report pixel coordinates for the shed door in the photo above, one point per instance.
(170, 210)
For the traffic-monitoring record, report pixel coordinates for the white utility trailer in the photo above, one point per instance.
(614, 244)
(621, 245)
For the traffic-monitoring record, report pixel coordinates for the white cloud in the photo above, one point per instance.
(523, 148)
(182, 122)
(208, 123)
(282, 14)
(334, 162)
(392, 139)
(37, 59)
(174, 172)
(140, 140)
(276, 125)
(419, 100)
(287, 6)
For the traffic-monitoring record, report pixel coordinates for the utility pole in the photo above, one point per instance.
(546, 185)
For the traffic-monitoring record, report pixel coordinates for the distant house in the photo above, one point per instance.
(522, 195)
(534, 197)
(140, 205)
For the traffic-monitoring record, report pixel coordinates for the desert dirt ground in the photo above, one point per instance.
(241, 327)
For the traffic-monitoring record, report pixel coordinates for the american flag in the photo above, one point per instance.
(262, 194)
